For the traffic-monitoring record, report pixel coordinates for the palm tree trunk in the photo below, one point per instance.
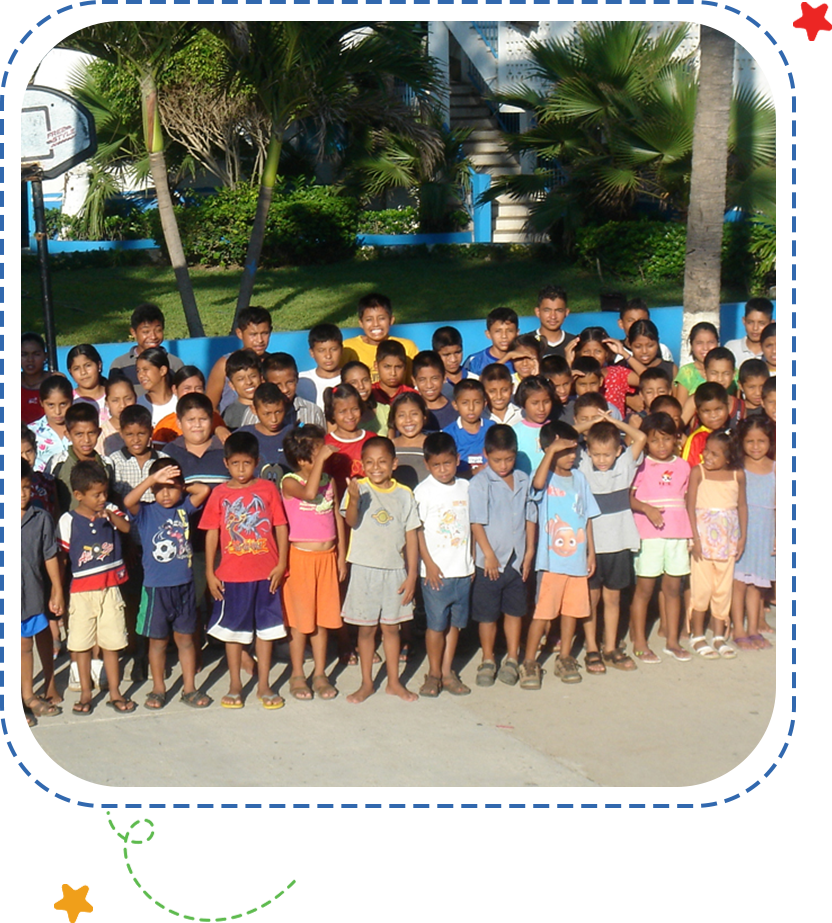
(170, 229)
(709, 168)
(258, 230)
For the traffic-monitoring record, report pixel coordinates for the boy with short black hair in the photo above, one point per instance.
(147, 327)
(429, 379)
(326, 344)
(752, 376)
(501, 328)
(587, 377)
(770, 399)
(446, 342)
(281, 369)
(131, 463)
(83, 429)
(552, 310)
(254, 329)
(556, 369)
(384, 557)
(757, 316)
(447, 565)
(89, 535)
(375, 317)
(391, 365)
(197, 452)
(503, 518)
(245, 521)
(720, 368)
(168, 595)
(243, 371)
(712, 408)
(652, 383)
(768, 343)
(499, 389)
(565, 551)
(39, 557)
(469, 429)
(275, 417)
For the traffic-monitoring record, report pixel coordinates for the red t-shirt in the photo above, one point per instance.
(246, 518)
(346, 462)
(31, 409)
(382, 397)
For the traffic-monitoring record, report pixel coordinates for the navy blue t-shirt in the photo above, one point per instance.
(439, 419)
(166, 542)
(273, 464)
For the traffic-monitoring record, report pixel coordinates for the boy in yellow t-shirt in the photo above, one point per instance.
(375, 316)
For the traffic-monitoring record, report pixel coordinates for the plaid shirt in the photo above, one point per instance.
(128, 474)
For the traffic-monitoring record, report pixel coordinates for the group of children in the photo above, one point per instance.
(544, 475)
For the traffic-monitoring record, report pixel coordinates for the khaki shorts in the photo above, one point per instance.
(96, 617)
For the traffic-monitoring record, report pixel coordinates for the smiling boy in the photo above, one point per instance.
(375, 317)
(758, 314)
(147, 327)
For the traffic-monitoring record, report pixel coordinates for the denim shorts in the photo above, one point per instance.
(449, 606)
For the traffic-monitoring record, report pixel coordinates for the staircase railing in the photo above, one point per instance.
(489, 32)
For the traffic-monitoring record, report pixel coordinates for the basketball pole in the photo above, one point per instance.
(45, 279)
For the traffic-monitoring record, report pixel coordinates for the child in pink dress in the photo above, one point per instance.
(718, 515)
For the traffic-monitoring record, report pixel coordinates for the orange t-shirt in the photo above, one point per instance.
(167, 429)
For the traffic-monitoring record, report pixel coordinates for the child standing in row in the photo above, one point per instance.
(718, 515)
(244, 520)
(447, 566)
(317, 558)
(384, 554)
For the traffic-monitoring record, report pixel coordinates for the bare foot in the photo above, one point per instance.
(360, 694)
(52, 695)
(248, 663)
(402, 692)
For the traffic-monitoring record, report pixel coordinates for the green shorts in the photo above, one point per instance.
(659, 556)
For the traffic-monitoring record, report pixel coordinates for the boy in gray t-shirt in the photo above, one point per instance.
(610, 469)
(384, 558)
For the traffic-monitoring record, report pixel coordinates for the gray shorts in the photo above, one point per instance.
(373, 597)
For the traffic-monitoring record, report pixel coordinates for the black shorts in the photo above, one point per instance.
(167, 608)
(491, 598)
(613, 571)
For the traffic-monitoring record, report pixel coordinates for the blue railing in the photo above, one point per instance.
(508, 125)
(489, 32)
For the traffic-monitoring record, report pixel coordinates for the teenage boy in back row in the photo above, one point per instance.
(375, 317)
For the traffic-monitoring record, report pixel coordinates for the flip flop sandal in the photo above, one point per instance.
(299, 689)
(486, 673)
(122, 706)
(679, 654)
(509, 672)
(271, 702)
(453, 684)
(706, 650)
(159, 697)
(231, 701)
(620, 660)
(196, 699)
(82, 708)
(725, 651)
(404, 653)
(40, 708)
(323, 688)
(594, 663)
(431, 687)
(647, 656)
(745, 644)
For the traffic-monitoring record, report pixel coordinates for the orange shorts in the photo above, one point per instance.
(311, 592)
(560, 594)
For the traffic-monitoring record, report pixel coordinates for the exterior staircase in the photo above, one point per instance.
(485, 149)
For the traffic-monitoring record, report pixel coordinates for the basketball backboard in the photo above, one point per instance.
(57, 132)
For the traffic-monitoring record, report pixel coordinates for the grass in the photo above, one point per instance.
(94, 305)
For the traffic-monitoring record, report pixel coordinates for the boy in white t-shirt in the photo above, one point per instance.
(325, 347)
(447, 563)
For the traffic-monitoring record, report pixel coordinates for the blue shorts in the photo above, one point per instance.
(34, 625)
(449, 606)
(491, 598)
(167, 608)
(246, 610)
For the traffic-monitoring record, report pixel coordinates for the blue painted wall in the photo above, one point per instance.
(205, 351)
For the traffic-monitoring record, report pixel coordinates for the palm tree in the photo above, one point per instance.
(327, 75)
(141, 49)
(708, 180)
(615, 128)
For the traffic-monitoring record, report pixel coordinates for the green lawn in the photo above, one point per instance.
(94, 305)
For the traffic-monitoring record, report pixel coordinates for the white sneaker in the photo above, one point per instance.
(99, 675)
(74, 678)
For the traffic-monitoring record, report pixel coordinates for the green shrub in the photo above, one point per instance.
(130, 224)
(307, 224)
(655, 250)
(402, 220)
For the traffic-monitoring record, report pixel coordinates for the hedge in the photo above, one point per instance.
(307, 224)
(655, 250)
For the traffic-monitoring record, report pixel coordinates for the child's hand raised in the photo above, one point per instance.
(559, 445)
(326, 451)
(353, 489)
(616, 346)
(166, 475)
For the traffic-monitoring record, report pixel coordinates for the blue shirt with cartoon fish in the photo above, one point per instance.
(564, 507)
